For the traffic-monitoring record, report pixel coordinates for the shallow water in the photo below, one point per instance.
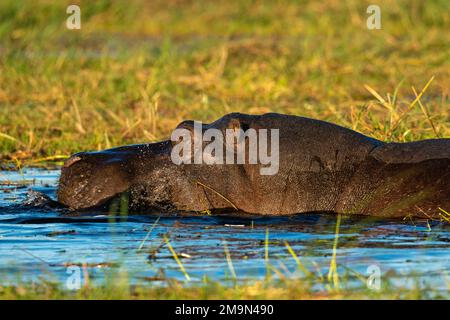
(37, 242)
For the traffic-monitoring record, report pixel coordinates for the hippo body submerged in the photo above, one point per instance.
(322, 168)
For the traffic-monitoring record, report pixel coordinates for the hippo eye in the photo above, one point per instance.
(71, 161)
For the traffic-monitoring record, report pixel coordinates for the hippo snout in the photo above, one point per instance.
(90, 179)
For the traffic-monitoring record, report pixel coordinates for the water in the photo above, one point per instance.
(37, 242)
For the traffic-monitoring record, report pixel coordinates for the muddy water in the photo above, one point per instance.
(38, 242)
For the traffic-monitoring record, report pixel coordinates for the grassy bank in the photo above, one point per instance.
(137, 68)
(295, 290)
(313, 286)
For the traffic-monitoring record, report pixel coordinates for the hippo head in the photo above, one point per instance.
(91, 179)
(153, 175)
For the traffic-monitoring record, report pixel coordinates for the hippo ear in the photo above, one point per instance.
(234, 124)
(71, 161)
(183, 141)
(239, 127)
(188, 126)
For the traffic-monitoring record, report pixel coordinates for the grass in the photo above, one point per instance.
(333, 275)
(280, 290)
(175, 256)
(136, 69)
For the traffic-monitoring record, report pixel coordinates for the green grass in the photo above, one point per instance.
(137, 68)
(278, 285)
(279, 290)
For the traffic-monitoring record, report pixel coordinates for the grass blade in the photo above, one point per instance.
(333, 275)
(218, 193)
(229, 261)
(266, 254)
(148, 233)
(175, 256)
(297, 260)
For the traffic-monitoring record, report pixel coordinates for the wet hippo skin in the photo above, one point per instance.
(322, 168)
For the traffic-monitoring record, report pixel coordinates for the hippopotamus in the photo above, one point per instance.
(322, 168)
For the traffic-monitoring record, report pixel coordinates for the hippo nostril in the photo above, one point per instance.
(71, 161)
